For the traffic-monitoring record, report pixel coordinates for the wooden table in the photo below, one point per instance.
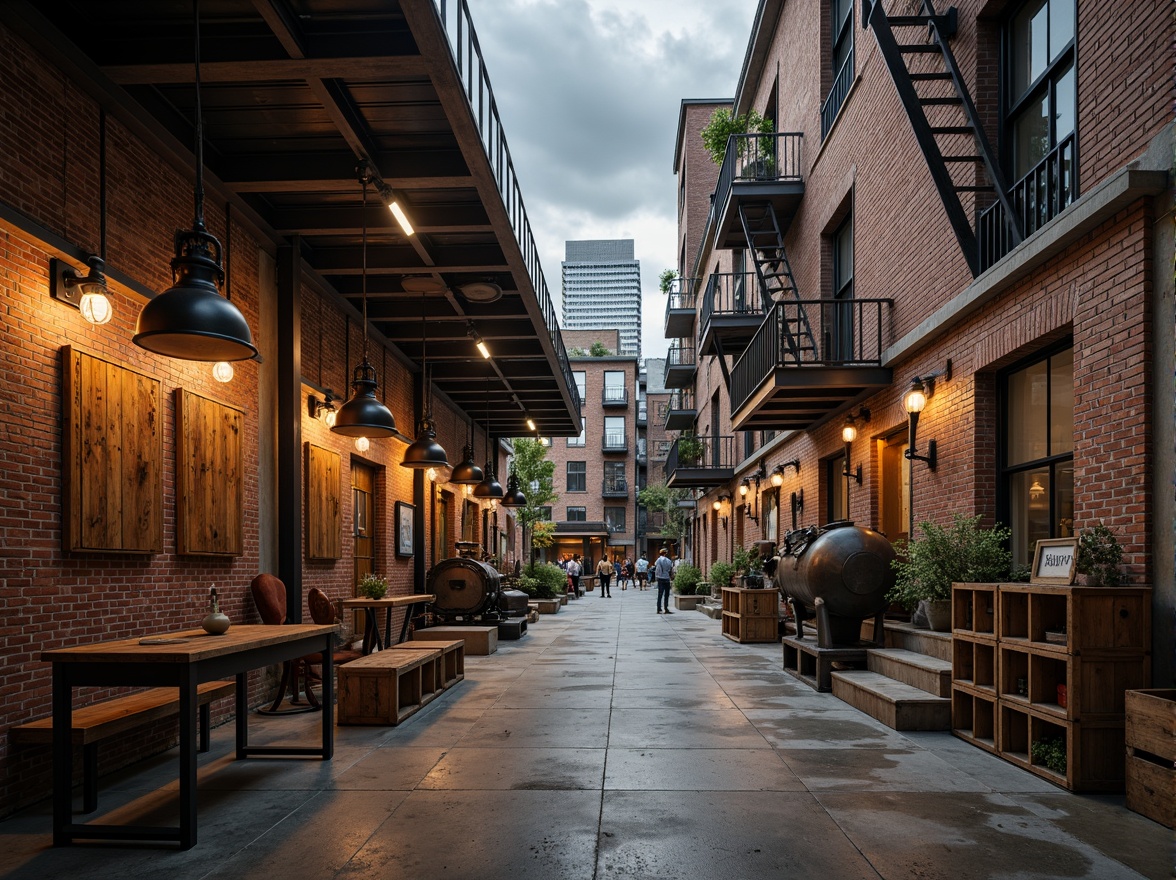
(371, 628)
(194, 657)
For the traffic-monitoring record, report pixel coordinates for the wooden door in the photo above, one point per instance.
(363, 484)
(895, 488)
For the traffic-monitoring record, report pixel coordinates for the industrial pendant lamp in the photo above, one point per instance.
(191, 320)
(467, 473)
(363, 415)
(425, 452)
(514, 495)
(489, 487)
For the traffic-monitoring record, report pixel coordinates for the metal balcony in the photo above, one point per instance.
(680, 309)
(614, 488)
(732, 311)
(680, 414)
(681, 363)
(780, 385)
(614, 396)
(757, 168)
(614, 441)
(713, 466)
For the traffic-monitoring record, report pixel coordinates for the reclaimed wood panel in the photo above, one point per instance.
(324, 518)
(210, 491)
(112, 457)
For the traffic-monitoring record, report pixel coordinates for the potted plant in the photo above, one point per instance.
(722, 124)
(1049, 753)
(720, 576)
(960, 553)
(691, 449)
(1100, 557)
(747, 564)
(372, 586)
(686, 581)
(665, 281)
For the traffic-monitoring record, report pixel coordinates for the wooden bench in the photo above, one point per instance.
(480, 640)
(387, 687)
(94, 723)
(451, 669)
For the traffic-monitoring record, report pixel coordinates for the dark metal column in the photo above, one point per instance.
(419, 563)
(289, 427)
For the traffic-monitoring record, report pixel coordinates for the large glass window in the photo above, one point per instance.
(579, 441)
(581, 378)
(843, 291)
(577, 476)
(1039, 81)
(614, 476)
(614, 432)
(1038, 451)
(614, 519)
(614, 386)
(577, 514)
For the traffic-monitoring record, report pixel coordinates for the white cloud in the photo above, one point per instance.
(589, 93)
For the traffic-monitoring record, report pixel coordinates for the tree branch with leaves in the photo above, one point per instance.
(536, 475)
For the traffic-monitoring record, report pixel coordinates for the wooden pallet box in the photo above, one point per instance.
(387, 687)
(452, 665)
(1151, 754)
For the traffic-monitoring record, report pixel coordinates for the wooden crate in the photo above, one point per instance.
(1151, 751)
(479, 640)
(750, 615)
(452, 665)
(387, 687)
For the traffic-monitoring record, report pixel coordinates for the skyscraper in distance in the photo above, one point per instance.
(602, 290)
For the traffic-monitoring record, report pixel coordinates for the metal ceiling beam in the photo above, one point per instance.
(268, 70)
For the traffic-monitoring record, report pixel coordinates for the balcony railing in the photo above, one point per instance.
(614, 488)
(682, 398)
(614, 396)
(763, 158)
(681, 294)
(614, 441)
(1037, 197)
(680, 354)
(704, 452)
(836, 96)
(731, 293)
(846, 332)
(471, 68)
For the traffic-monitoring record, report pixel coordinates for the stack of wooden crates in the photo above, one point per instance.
(1035, 663)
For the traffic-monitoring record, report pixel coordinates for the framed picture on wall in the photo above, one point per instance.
(1054, 561)
(404, 528)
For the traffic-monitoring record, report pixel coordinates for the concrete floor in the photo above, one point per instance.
(612, 742)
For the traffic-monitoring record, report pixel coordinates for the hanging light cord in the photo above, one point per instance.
(365, 176)
(198, 223)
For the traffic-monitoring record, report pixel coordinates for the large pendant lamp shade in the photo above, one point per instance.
(514, 496)
(364, 415)
(191, 320)
(425, 452)
(467, 473)
(489, 487)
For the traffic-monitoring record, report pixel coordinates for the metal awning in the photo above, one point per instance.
(295, 93)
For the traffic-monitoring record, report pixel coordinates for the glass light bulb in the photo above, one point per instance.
(915, 400)
(777, 479)
(222, 371)
(96, 308)
(483, 349)
(362, 444)
(401, 217)
(329, 418)
(431, 473)
(743, 489)
(848, 434)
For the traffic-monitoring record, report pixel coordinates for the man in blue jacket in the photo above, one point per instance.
(663, 570)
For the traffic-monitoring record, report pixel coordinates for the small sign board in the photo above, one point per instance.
(1055, 561)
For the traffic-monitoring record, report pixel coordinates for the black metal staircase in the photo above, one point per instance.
(766, 243)
(945, 122)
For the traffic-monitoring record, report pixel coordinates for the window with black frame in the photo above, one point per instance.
(577, 514)
(614, 477)
(1041, 109)
(840, 59)
(614, 519)
(835, 489)
(577, 476)
(840, 347)
(1037, 451)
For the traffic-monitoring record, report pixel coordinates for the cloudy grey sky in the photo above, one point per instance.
(589, 93)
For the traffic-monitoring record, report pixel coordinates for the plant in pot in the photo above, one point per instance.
(720, 576)
(960, 553)
(691, 449)
(747, 564)
(1050, 753)
(665, 281)
(1100, 557)
(754, 154)
(687, 579)
(372, 586)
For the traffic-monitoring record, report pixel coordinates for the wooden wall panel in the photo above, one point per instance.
(209, 478)
(113, 457)
(324, 523)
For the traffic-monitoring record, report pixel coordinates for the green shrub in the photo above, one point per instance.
(721, 573)
(550, 580)
(746, 560)
(1100, 556)
(686, 579)
(960, 553)
(1050, 754)
(722, 125)
(372, 586)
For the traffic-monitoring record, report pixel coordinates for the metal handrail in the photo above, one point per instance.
(466, 53)
(836, 97)
(614, 395)
(614, 440)
(764, 158)
(614, 488)
(681, 399)
(731, 293)
(1049, 187)
(681, 294)
(680, 355)
(847, 332)
(717, 452)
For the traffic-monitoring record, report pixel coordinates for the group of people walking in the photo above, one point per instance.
(626, 573)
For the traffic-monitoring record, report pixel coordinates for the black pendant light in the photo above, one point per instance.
(363, 415)
(514, 495)
(191, 320)
(489, 487)
(425, 452)
(467, 473)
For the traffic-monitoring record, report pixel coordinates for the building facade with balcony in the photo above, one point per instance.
(602, 289)
(973, 200)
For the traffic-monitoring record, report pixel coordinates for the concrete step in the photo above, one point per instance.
(927, 673)
(907, 637)
(899, 706)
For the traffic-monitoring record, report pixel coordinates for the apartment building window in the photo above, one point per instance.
(1041, 95)
(1037, 454)
(614, 386)
(581, 378)
(579, 441)
(577, 476)
(840, 60)
(614, 476)
(545, 513)
(614, 519)
(614, 432)
(577, 514)
(769, 519)
(842, 323)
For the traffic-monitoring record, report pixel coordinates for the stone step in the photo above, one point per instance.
(899, 706)
(927, 673)
(907, 637)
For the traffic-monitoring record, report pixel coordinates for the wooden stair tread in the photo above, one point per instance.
(887, 688)
(914, 658)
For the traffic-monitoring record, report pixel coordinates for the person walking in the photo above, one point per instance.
(662, 571)
(604, 572)
(642, 571)
(626, 573)
(574, 571)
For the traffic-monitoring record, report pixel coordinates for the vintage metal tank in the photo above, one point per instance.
(464, 587)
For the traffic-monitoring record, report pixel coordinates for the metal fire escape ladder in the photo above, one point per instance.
(766, 243)
(940, 28)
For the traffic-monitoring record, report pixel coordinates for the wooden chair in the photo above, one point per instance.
(322, 611)
(269, 595)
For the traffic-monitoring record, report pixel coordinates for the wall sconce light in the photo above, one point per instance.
(479, 343)
(745, 488)
(389, 196)
(87, 293)
(914, 402)
(849, 433)
(778, 472)
(720, 505)
(323, 410)
(362, 444)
